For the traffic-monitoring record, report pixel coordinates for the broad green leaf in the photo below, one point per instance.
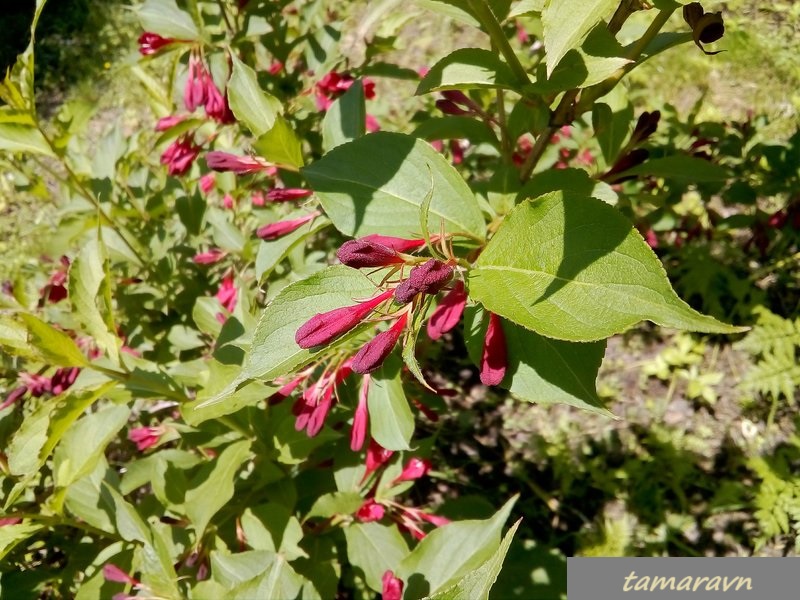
(14, 338)
(681, 167)
(611, 129)
(335, 503)
(225, 234)
(277, 580)
(372, 185)
(345, 120)
(273, 527)
(542, 369)
(45, 427)
(525, 7)
(53, 345)
(274, 352)
(251, 105)
(566, 23)
(85, 442)
(449, 552)
(375, 549)
(477, 584)
(391, 422)
(290, 446)
(216, 487)
(468, 68)
(570, 179)
(573, 268)
(455, 9)
(455, 127)
(83, 499)
(167, 20)
(220, 377)
(280, 144)
(204, 315)
(271, 253)
(11, 535)
(19, 137)
(88, 282)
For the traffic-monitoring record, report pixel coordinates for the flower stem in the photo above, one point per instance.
(499, 39)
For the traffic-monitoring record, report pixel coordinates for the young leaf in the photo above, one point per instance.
(375, 549)
(167, 20)
(55, 346)
(11, 535)
(280, 144)
(468, 68)
(345, 119)
(390, 419)
(19, 137)
(449, 552)
(254, 107)
(566, 23)
(477, 584)
(573, 268)
(611, 129)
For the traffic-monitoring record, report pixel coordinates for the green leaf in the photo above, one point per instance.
(88, 281)
(215, 488)
(477, 584)
(566, 23)
(375, 549)
(681, 167)
(573, 268)
(456, 127)
(273, 527)
(255, 574)
(525, 7)
(455, 9)
(335, 503)
(55, 347)
(570, 179)
(167, 20)
(85, 442)
(11, 535)
(611, 129)
(280, 144)
(272, 252)
(19, 137)
(220, 377)
(542, 369)
(251, 105)
(225, 234)
(391, 422)
(345, 119)
(468, 68)
(371, 185)
(449, 552)
(274, 352)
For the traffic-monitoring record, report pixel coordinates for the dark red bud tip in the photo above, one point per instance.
(325, 327)
(374, 352)
(361, 254)
(494, 359)
(448, 313)
(427, 278)
(395, 243)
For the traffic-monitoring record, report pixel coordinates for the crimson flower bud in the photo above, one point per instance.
(113, 573)
(392, 587)
(284, 194)
(414, 469)
(448, 312)
(494, 359)
(427, 278)
(224, 161)
(374, 352)
(150, 43)
(361, 253)
(361, 419)
(15, 395)
(280, 228)
(325, 327)
(370, 511)
(395, 243)
(209, 257)
(377, 456)
(165, 123)
(449, 107)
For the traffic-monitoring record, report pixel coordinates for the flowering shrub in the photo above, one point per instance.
(218, 389)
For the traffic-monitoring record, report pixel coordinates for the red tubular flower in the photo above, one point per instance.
(325, 327)
(227, 293)
(210, 257)
(494, 359)
(374, 352)
(371, 123)
(286, 390)
(15, 395)
(150, 43)
(370, 511)
(316, 402)
(448, 313)
(361, 419)
(207, 182)
(165, 123)
(195, 90)
(392, 587)
(63, 379)
(275, 230)
(4, 521)
(362, 253)
(227, 201)
(216, 103)
(395, 243)
(414, 469)
(114, 573)
(449, 107)
(180, 155)
(377, 456)
(146, 437)
(285, 194)
(275, 67)
(225, 161)
(427, 278)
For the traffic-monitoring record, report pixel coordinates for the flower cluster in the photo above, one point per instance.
(333, 84)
